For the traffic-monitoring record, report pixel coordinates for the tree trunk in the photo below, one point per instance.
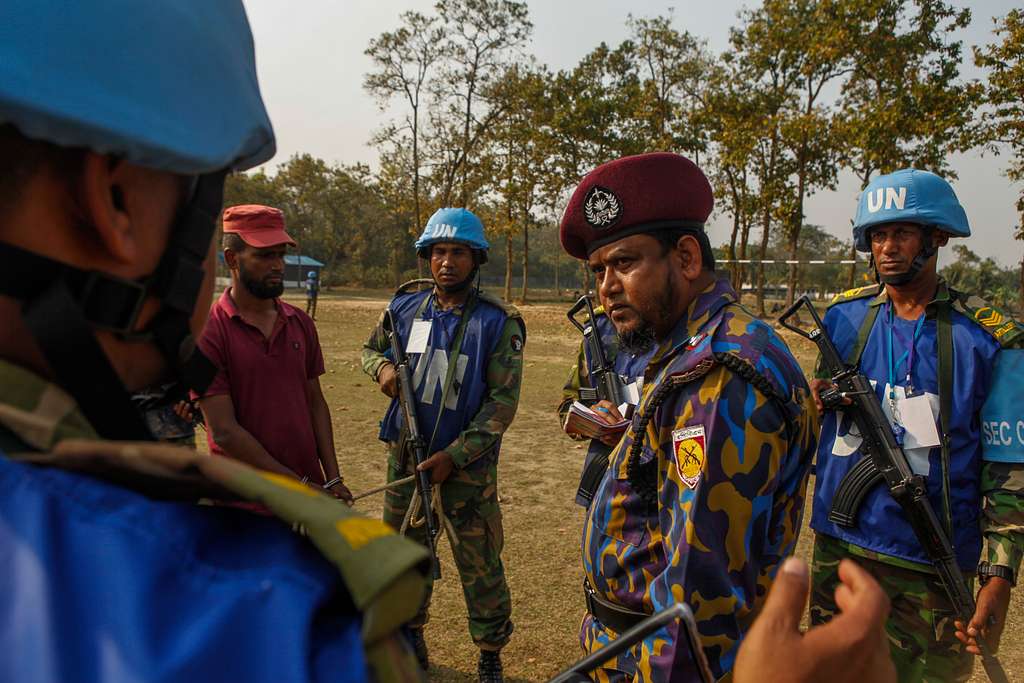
(508, 267)
(791, 280)
(852, 278)
(766, 224)
(585, 277)
(526, 259)
(558, 290)
(733, 266)
(744, 239)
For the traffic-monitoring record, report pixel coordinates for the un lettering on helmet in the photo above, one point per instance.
(894, 198)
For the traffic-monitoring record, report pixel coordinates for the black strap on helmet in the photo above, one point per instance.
(63, 306)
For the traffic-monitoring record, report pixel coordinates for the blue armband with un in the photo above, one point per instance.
(1002, 416)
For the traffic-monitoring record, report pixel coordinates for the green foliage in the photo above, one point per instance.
(336, 214)
(1005, 95)
(807, 88)
(982, 276)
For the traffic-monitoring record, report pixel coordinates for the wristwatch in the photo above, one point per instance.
(987, 570)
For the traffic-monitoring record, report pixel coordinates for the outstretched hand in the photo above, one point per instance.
(852, 648)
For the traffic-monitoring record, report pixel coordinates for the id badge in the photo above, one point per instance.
(419, 335)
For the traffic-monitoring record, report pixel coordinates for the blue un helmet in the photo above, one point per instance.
(909, 196)
(311, 275)
(454, 225)
(164, 84)
(167, 85)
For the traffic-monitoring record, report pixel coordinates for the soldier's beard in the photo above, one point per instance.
(637, 341)
(643, 336)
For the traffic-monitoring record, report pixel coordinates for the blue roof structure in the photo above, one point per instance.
(300, 260)
(289, 260)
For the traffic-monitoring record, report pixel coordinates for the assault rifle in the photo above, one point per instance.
(577, 673)
(606, 385)
(414, 441)
(887, 462)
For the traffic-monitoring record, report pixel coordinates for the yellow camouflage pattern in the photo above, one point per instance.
(714, 540)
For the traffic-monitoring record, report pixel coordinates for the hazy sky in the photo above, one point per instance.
(311, 65)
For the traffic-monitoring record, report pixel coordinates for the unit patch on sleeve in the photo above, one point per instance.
(688, 446)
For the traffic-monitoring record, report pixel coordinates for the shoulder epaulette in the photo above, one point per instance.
(509, 309)
(997, 322)
(855, 293)
(599, 310)
(417, 283)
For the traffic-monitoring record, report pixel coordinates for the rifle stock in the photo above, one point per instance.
(414, 442)
(887, 462)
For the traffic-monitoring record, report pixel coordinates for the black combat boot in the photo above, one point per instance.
(419, 646)
(489, 667)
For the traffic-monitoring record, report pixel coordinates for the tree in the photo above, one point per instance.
(481, 36)
(672, 68)
(403, 60)
(971, 273)
(769, 73)
(903, 104)
(1004, 93)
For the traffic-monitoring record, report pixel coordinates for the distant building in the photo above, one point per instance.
(297, 267)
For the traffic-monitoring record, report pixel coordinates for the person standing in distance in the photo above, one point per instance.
(703, 498)
(265, 407)
(466, 351)
(935, 355)
(312, 293)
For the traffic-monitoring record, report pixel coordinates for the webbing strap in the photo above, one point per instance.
(453, 357)
(80, 365)
(944, 337)
(862, 336)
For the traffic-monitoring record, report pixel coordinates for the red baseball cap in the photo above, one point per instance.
(259, 226)
(635, 194)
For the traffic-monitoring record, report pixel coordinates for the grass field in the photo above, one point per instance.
(539, 470)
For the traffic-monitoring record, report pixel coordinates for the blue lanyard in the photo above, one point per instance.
(908, 354)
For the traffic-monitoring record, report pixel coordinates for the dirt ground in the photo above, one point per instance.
(538, 474)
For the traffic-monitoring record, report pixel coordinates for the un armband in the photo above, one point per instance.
(1002, 416)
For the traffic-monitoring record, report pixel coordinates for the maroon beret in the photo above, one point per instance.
(635, 194)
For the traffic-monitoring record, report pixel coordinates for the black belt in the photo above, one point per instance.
(616, 617)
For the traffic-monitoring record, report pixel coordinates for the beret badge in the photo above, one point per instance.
(601, 208)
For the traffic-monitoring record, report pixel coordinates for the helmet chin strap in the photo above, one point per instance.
(927, 250)
(64, 306)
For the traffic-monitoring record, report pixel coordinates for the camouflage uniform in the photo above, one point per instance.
(920, 626)
(713, 504)
(469, 496)
(41, 425)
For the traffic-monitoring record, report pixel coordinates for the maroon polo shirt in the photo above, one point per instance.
(266, 379)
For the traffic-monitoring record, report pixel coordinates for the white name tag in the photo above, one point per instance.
(918, 416)
(418, 336)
